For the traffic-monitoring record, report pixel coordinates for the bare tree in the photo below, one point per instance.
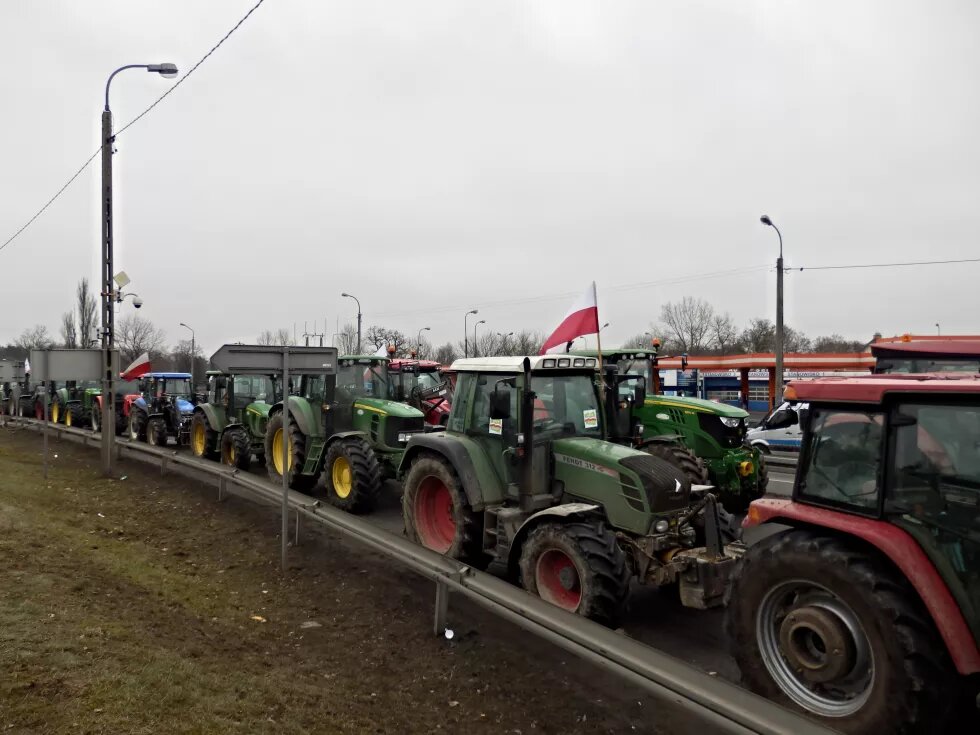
(283, 337)
(689, 323)
(724, 333)
(381, 336)
(526, 342)
(837, 343)
(136, 335)
(34, 338)
(69, 333)
(86, 309)
(347, 340)
(266, 337)
(446, 354)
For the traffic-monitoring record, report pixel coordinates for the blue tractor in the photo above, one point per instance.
(164, 410)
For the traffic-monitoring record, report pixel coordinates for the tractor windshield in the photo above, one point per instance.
(636, 366)
(362, 380)
(177, 387)
(255, 389)
(565, 405)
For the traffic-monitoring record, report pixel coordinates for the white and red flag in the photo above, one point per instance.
(581, 319)
(139, 368)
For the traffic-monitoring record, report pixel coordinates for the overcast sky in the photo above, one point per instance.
(432, 157)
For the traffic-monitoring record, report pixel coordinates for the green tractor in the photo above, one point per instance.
(230, 426)
(344, 427)
(80, 402)
(705, 439)
(523, 477)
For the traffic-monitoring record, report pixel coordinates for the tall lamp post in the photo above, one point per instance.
(466, 344)
(419, 340)
(764, 219)
(503, 340)
(108, 407)
(938, 330)
(193, 353)
(349, 296)
(475, 348)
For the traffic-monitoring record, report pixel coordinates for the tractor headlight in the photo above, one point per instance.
(661, 526)
(403, 438)
(730, 422)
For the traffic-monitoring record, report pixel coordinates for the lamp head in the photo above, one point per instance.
(764, 219)
(167, 70)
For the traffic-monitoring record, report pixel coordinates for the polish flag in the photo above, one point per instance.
(581, 319)
(139, 368)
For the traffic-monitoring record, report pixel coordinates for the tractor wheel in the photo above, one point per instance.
(39, 410)
(438, 515)
(828, 629)
(96, 419)
(54, 412)
(297, 454)
(69, 416)
(577, 566)
(156, 432)
(236, 449)
(204, 440)
(137, 426)
(121, 426)
(682, 458)
(352, 476)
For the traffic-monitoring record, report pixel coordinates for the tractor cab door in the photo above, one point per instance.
(490, 407)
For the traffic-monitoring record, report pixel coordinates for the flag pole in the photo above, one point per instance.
(598, 343)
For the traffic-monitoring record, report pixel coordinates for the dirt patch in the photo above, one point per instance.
(143, 605)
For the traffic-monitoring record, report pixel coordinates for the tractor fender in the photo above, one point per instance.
(898, 548)
(564, 512)
(454, 452)
(214, 414)
(341, 435)
(662, 439)
(301, 412)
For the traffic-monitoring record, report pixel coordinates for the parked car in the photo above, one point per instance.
(779, 431)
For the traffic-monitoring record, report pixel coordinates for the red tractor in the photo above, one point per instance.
(421, 384)
(862, 606)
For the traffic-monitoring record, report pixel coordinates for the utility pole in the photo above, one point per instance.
(193, 354)
(466, 343)
(780, 344)
(350, 296)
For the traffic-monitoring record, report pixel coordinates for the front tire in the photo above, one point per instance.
(834, 632)
(203, 438)
(156, 432)
(437, 514)
(579, 567)
(236, 449)
(54, 412)
(682, 458)
(297, 454)
(137, 426)
(352, 476)
(96, 419)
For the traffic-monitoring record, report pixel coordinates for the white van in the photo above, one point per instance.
(780, 431)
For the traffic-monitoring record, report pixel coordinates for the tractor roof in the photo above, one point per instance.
(873, 388)
(170, 376)
(516, 364)
(399, 363)
(946, 347)
(621, 353)
(365, 358)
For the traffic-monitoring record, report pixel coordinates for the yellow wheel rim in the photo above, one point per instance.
(231, 454)
(68, 417)
(277, 452)
(343, 482)
(199, 440)
(54, 413)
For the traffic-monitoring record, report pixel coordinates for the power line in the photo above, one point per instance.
(156, 102)
(885, 265)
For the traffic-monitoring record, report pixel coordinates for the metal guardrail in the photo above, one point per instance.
(787, 460)
(724, 706)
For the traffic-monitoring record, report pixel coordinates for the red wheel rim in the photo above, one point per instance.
(434, 518)
(558, 580)
(38, 411)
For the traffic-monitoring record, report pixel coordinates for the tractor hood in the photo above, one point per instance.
(185, 406)
(696, 404)
(386, 407)
(259, 409)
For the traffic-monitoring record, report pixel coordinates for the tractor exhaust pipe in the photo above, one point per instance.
(526, 489)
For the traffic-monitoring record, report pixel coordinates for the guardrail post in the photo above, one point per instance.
(163, 466)
(442, 608)
(221, 489)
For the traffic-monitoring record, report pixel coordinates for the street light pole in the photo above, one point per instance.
(475, 348)
(419, 340)
(349, 296)
(466, 344)
(193, 354)
(779, 307)
(938, 330)
(108, 337)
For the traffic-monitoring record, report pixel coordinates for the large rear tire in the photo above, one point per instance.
(828, 629)
(137, 426)
(96, 418)
(579, 567)
(70, 413)
(437, 514)
(236, 449)
(54, 412)
(297, 454)
(204, 440)
(682, 458)
(352, 476)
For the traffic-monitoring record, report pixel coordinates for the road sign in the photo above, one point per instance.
(65, 364)
(11, 371)
(267, 360)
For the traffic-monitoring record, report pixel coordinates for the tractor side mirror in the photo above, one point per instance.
(640, 393)
(500, 404)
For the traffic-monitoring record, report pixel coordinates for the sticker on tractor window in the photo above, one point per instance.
(496, 426)
(591, 419)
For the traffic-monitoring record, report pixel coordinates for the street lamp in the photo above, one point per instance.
(193, 354)
(503, 340)
(938, 330)
(419, 340)
(349, 296)
(475, 348)
(764, 219)
(466, 344)
(108, 404)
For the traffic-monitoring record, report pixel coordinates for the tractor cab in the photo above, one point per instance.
(163, 410)
(884, 529)
(421, 384)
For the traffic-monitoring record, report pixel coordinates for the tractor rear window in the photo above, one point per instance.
(177, 387)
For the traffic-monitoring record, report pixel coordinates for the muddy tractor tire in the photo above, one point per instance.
(833, 631)
(204, 440)
(137, 426)
(682, 458)
(297, 454)
(55, 414)
(71, 419)
(156, 432)
(437, 514)
(236, 449)
(96, 422)
(579, 567)
(352, 476)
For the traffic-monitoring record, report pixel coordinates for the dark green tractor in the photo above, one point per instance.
(706, 439)
(524, 477)
(231, 425)
(79, 402)
(344, 428)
